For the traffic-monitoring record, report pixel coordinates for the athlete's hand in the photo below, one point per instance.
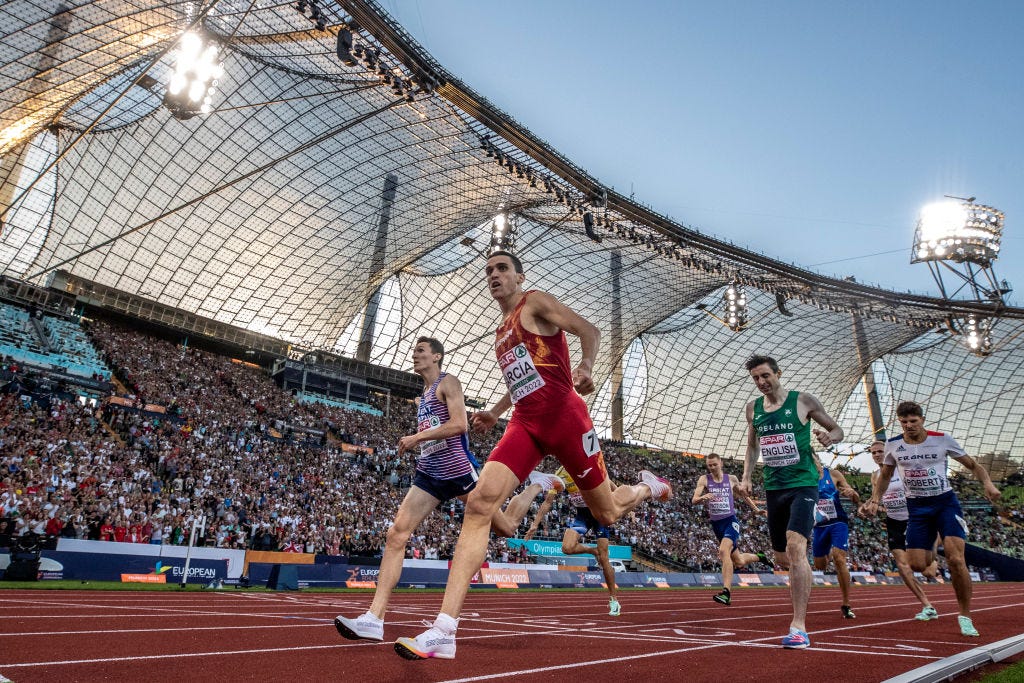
(744, 487)
(992, 493)
(762, 511)
(530, 533)
(582, 380)
(824, 438)
(407, 442)
(868, 509)
(483, 421)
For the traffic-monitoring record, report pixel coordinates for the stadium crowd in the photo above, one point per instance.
(272, 473)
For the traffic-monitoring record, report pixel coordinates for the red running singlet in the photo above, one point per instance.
(549, 416)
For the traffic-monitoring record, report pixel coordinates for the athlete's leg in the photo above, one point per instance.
(741, 560)
(799, 527)
(842, 573)
(609, 506)
(900, 556)
(571, 544)
(800, 577)
(506, 522)
(958, 572)
(725, 551)
(415, 507)
(606, 567)
(495, 485)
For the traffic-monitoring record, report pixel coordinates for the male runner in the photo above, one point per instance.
(894, 500)
(716, 490)
(550, 417)
(582, 524)
(779, 430)
(922, 456)
(832, 530)
(445, 469)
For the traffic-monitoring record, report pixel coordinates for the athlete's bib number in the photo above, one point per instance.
(895, 500)
(779, 450)
(923, 482)
(591, 446)
(720, 504)
(520, 373)
(430, 447)
(827, 508)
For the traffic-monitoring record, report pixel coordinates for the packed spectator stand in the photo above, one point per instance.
(192, 433)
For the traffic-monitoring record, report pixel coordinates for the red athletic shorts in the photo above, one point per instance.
(565, 432)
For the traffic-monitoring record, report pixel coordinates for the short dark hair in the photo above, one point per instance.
(516, 263)
(908, 408)
(435, 345)
(755, 360)
(712, 455)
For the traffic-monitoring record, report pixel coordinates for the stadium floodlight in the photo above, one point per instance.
(503, 233)
(959, 241)
(735, 302)
(197, 68)
(958, 230)
(977, 333)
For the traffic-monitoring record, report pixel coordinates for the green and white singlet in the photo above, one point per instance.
(785, 445)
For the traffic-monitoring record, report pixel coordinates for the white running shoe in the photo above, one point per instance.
(431, 643)
(548, 482)
(614, 608)
(661, 490)
(365, 627)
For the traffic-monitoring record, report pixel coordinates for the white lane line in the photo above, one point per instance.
(157, 631)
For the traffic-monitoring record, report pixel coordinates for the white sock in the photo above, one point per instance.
(446, 624)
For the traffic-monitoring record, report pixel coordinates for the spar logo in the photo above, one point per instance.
(520, 351)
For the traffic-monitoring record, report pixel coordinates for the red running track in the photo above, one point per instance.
(671, 635)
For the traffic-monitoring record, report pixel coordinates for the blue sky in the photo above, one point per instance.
(812, 132)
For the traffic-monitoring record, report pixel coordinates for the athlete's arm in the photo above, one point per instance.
(981, 474)
(698, 495)
(449, 390)
(545, 508)
(844, 488)
(862, 510)
(546, 308)
(485, 419)
(881, 484)
(749, 498)
(832, 433)
(752, 452)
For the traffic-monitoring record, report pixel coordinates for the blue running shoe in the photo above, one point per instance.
(796, 640)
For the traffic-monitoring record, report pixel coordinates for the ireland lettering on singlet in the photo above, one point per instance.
(785, 445)
(520, 372)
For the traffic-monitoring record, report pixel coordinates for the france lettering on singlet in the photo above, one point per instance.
(442, 458)
(722, 505)
(923, 466)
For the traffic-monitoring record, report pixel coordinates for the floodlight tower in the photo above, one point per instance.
(961, 239)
